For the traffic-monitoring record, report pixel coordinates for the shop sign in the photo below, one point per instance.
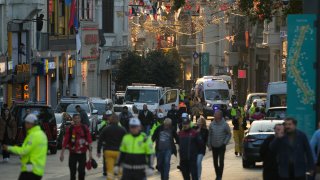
(23, 68)
(90, 43)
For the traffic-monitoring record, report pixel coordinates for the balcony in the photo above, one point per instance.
(231, 58)
(26, 9)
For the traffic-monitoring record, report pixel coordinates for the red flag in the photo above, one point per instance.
(72, 13)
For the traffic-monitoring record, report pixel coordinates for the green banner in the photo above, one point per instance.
(205, 64)
(301, 75)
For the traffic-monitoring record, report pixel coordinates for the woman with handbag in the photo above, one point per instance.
(8, 131)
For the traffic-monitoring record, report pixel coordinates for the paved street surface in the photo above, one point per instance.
(56, 170)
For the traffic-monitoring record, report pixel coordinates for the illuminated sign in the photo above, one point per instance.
(242, 74)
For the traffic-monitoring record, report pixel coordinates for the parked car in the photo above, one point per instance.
(276, 113)
(46, 118)
(255, 136)
(62, 124)
(102, 105)
(92, 115)
(66, 101)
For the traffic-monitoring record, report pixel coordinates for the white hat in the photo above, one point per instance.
(184, 115)
(134, 122)
(31, 118)
(160, 115)
(108, 113)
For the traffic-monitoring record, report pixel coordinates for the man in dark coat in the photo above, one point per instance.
(174, 116)
(146, 117)
(293, 152)
(270, 169)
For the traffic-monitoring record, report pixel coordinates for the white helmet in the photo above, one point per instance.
(160, 115)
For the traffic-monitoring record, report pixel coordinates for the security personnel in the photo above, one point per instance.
(182, 95)
(159, 121)
(105, 120)
(252, 109)
(33, 151)
(239, 125)
(103, 124)
(135, 153)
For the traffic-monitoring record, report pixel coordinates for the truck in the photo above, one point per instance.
(215, 94)
(155, 97)
(277, 94)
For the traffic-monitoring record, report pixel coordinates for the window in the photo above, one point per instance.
(108, 16)
(171, 97)
(86, 9)
(59, 15)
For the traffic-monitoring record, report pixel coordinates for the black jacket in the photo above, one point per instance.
(174, 116)
(110, 137)
(156, 134)
(270, 169)
(204, 133)
(146, 120)
(84, 117)
(189, 142)
(300, 151)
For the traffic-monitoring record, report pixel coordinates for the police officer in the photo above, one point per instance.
(159, 122)
(103, 124)
(135, 153)
(239, 125)
(33, 151)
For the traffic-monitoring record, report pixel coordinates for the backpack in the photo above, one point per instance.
(70, 133)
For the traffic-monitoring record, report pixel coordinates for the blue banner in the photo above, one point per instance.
(301, 75)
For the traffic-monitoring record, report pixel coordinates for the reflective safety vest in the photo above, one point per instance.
(140, 144)
(234, 112)
(154, 127)
(182, 96)
(252, 110)
(33, 151)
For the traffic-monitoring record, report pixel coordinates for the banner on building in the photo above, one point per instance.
(89, 42)
(301, 75)
(204, 63)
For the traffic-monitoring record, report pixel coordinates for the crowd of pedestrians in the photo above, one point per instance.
(130, 144)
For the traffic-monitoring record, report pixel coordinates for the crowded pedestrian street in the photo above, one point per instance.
(60, 171)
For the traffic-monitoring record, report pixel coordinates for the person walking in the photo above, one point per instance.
(124, 118)
(315, 148)
(174, 116)
(257, 115)
(8, 131)
(83, 116)
(270, 169)
(294, 155)
(136, 150)
(157, 123)
(196, 109)
(189, 143)
(219, 137)
(239, 125)
(78, 140)
(33, 152)
(105, 121)
(164, 137)
(146, 117)
(203, 130)
(110, 139)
